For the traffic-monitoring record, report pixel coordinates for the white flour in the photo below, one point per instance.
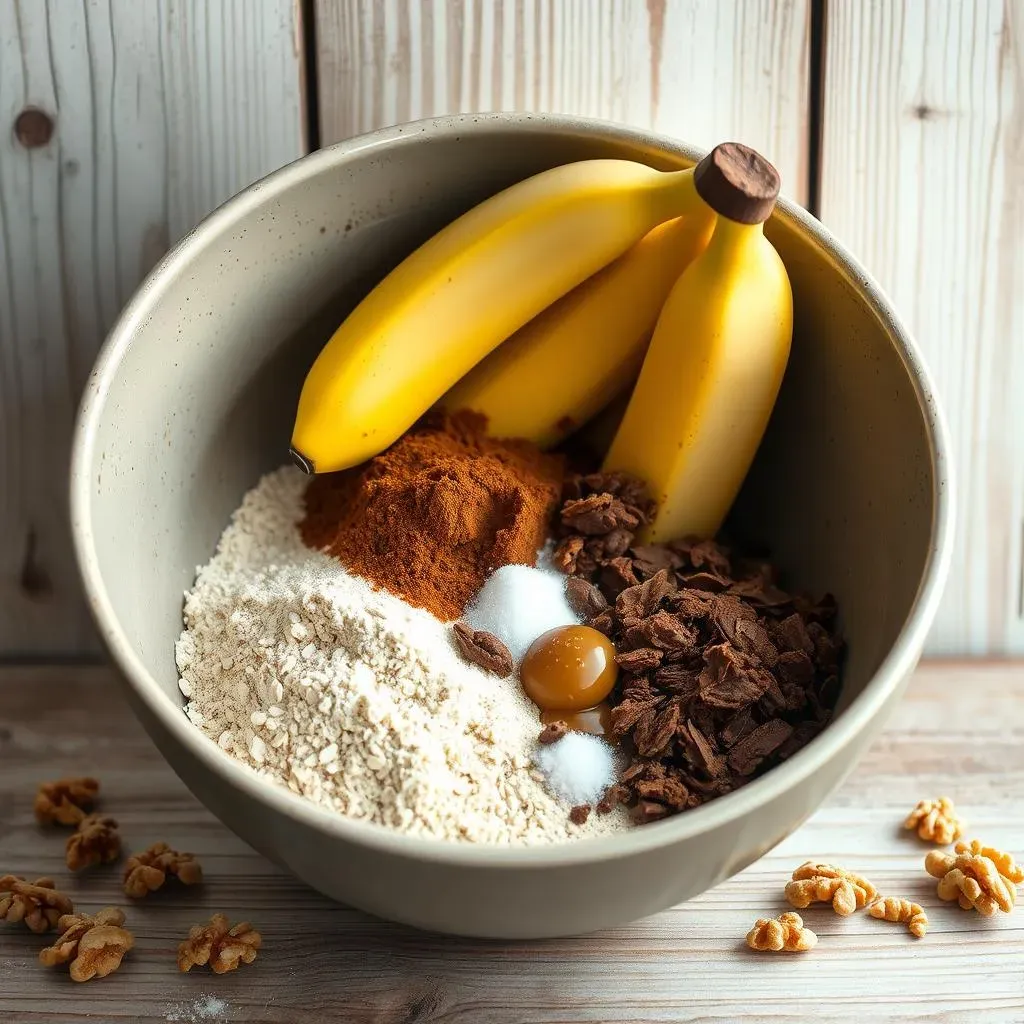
(352, 698)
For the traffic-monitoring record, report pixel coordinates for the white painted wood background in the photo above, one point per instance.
(163, 109)
(166, 107)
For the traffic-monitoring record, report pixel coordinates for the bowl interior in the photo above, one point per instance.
(207, 363)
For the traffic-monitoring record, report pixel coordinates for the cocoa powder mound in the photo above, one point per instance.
(431, 517)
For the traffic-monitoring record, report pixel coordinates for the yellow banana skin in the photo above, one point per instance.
(465, 291)
(709, 382)
(569, 362)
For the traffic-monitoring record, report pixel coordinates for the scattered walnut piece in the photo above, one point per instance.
(221, 947)
(65, 801)
(936, 821)
(483, 649)
(553, 732)
(1004, 862)
(37, 903)
(785, 933)
(821, 883)
(95, 944)
(147, 871)
(901, 911)
(96, 841)
(973, 880)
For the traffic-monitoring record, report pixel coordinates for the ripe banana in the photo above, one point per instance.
(716, 359)
(465, 291)
(571, 360)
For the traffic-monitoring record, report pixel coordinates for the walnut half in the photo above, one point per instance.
(784, 934)
(96, 841)
(974, 879)
(936, 821)
(823, 883)
(901, 911)
(219, 945)
(95, 944)
(147, 871)
(38, 903)
(65, 801)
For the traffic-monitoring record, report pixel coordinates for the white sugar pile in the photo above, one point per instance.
(352, 698)
(518, 603)
(579, 767)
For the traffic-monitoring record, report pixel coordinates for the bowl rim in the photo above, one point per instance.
(897, 664)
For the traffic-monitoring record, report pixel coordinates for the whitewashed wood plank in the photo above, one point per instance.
(162, 110)
(699, 71)
(959, 731)
(923, 177)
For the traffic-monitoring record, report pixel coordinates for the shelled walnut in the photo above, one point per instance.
(822, 883)
(147, 871)
(936, 821)
(95, 944)
(901, 911)
(974, 879)
(219, 945)
(66, 801)
(783, 934)
(37, 903)
(96, 841)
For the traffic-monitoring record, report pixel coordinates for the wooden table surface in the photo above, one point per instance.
(960, 732)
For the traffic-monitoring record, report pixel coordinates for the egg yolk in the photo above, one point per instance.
(571, 668)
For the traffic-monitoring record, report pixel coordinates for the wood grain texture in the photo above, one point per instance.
(161, 110)
(959, 731)
(923, 178)
(700, 71)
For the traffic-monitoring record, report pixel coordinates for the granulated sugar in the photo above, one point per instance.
(352, 698)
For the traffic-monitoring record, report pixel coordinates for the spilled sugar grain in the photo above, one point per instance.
(352, 698)
(205, 1008)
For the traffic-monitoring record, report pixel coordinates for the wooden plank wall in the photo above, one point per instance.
(165, 107)
(689, 68)
(923, 178)
(159, 111)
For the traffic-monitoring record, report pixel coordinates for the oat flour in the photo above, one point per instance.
(352, 698)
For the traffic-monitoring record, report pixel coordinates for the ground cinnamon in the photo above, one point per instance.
(432, 516)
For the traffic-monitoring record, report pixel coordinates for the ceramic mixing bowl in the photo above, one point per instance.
(192, 399)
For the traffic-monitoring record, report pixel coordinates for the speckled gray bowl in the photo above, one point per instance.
(192, 398)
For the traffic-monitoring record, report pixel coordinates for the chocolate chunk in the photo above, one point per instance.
(731, 679)
(579, 814)
(644, 599)
(795, 668)
(616, 576)
(597, 515)
(669, 633)
(737, 727)
(650, 810)
(553, 732)
(705, 581)
(626, 715)
(701, 750)
(566, 554)
(677, 680)
(640, 660)
(483, 649)
(791, 635)
(652, 736)
(746, 755)
(613, 796)
(658, 556)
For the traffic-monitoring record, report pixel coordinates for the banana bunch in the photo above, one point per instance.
(464, 292)
(542, 306)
